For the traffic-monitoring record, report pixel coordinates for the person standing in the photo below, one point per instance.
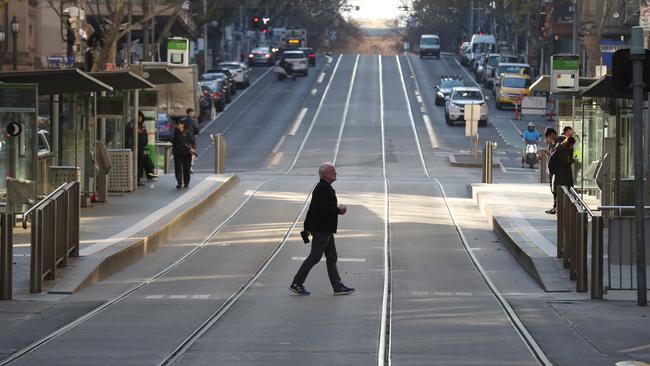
(322, 223)
(192, 124)
(563, 172)
(183, 147)
(143, 140)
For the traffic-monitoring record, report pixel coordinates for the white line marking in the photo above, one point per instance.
(279, 144)
(297, 122)
(441, 293)
(177, 297)
(430, 132)
(200, 297)
(357, 260)
(196, 191)
(314, 91)
(321, 77)
(277, 158)
(468, 74)
(155, 296)
(236, 99)
(419, 99)
(313, 120)
(346, 109)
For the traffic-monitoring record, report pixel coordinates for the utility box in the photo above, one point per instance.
(120, 177)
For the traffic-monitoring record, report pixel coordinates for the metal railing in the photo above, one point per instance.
(219, 153)
(488, 162)
(573, 239)
(54, 233)
(621, 249)
(6, 255)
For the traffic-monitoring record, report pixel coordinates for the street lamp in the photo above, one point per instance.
(15, 27)
(2, 39)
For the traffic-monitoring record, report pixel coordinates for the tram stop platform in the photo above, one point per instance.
(124, 229)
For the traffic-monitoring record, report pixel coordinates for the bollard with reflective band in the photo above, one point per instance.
(219, 153)
(6, 255)
(488, 164)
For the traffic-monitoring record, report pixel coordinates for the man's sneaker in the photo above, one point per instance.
(551, 211)
(343, 290)
(298, 289)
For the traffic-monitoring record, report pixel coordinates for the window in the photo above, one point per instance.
(450, 83)
(429, 41)
(468, 95)
(516, 83)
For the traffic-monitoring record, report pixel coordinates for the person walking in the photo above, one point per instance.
(322, 222)
(183, 147)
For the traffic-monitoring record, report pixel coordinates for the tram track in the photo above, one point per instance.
(188, 341)
(521, 330)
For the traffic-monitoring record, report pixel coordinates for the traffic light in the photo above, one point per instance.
(622, 71)
(255, 22)
(266, 23)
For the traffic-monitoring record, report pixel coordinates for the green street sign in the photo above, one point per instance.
(177, 44)
(565, 73)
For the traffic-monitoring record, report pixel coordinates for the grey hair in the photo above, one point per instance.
(323, 167)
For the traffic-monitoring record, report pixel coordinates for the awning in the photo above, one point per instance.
(121, 79)
(160, 75)
(59, 81)
(604, 88)
(543, 85)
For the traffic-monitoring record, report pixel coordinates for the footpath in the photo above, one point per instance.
(119, 232)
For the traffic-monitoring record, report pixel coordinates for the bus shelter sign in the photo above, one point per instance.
(565, 73)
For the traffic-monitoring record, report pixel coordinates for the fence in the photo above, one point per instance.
(54, 233)
(574, 240)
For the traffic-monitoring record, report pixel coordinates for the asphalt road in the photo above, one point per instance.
(419, 299)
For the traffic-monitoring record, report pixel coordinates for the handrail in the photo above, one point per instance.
(581, 201)
(601, 208)
(41, 202)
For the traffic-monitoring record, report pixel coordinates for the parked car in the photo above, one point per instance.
(215, 88)
(491, 64)
(461, 97)
(239, 71)
(230, 77)
(223, 79)
(511, 86)
(443, 89)
(260, 55)
(164, 127)
(309, 53)
(509, 68)
(298, 61)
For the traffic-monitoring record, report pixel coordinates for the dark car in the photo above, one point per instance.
(444, 88)
(223, 79)
(216, 90)
(229, 75)
(260, 55)
(310, 55)
(165, 127)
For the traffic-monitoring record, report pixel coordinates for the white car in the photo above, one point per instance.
(298, 61)
(459, 98)
(239, 71)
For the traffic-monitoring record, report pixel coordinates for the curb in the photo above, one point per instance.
(455, 163)
(91, 269)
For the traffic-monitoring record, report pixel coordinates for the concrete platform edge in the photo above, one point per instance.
(96, 267)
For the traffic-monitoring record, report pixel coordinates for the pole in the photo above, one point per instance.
(6, 255)
(205, 36)
(471, 18)
(574, 34)
(14, 60)
(637, 54)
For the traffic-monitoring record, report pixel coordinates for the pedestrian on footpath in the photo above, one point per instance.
(322, 222)
(142, 140)
(563, 172)
(183, 148)
(551, 137)
(192, 124)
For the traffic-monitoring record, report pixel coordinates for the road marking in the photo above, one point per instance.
(196, 191)
(278, 145)
(418, 98)
(356, 260)
(277, 158)
(200, 297)
(314, 91)
(430, 132)
(321, 77)
(236, 99)
(177, 297)
(297, 122)
(346, 108)
(329, 59)
(155, 296)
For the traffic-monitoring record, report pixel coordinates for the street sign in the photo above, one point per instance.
(565, 73)
(533, 106)
(472, 114)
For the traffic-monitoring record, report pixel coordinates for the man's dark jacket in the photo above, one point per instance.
(322, 216)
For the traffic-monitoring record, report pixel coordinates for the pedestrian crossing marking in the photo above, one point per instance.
(358, 260)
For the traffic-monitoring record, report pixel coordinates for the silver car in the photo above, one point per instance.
(298, 61)
(239, 71)
(459, 98)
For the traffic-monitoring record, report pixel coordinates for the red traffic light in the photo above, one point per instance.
(264, 30)
(256, 19)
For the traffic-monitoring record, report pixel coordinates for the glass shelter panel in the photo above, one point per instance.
(593, 135)
(18, 154)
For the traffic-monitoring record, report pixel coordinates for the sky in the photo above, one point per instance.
(376, 9)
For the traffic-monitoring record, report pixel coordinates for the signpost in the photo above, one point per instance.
(565, 72)
(472, 114)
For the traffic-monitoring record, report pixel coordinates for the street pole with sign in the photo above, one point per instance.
(472, 114)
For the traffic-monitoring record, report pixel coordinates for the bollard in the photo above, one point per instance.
(219, 153)
(581, 252)
(597, 257)
(6, 255)
(488, 164)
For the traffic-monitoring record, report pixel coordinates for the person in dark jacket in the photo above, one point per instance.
(143, 140)
(183, 147)
(322, 223)
(564, 174)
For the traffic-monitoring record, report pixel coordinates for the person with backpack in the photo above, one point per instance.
(559, 167)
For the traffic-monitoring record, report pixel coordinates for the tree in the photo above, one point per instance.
(594, 16)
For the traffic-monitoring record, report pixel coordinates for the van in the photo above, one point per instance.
(429, 45)
(509, 68)
(511, 87)
(480, 44)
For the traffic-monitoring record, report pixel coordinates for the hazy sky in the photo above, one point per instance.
(376, 9)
